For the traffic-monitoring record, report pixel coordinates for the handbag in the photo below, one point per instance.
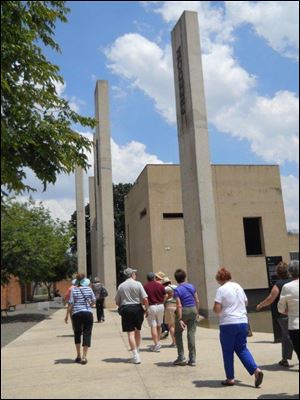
(103, 292)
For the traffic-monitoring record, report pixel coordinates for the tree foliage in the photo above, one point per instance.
(36, 124)
(119, 193)
(34, 247)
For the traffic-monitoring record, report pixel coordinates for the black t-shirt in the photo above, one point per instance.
(279, 284)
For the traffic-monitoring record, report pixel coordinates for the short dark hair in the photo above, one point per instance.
(180, 275)
(282, 270)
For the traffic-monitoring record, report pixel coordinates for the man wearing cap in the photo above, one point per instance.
(155, 316)
(97, 287)
(129, 298)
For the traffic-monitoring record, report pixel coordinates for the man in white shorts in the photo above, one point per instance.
(155, 315)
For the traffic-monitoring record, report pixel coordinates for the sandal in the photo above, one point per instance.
(227, 383)
(258, 379)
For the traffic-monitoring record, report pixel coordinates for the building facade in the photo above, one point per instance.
(250, 221)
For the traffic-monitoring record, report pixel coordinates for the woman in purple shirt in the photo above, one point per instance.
(187, 306)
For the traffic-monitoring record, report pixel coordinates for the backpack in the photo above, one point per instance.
(103, 292)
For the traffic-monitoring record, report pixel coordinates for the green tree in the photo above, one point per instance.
(36, 124)
(34, 247)
(119, 193)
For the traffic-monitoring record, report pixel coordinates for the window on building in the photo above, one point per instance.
(172, 215)
(294, 255)
(143, 213)
(253, 236)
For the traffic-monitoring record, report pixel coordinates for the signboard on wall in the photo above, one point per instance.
(271, 263)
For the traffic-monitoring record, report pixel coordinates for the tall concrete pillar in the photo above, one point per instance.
(106, 263)
(81, 238)
(196, 175)
(93, 226)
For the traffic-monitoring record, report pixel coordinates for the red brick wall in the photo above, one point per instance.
(11, 293)
(63, 286)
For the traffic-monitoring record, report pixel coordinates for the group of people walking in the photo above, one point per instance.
(178, 306)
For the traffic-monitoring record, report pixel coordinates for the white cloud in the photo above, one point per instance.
(59, 87)
(214, 27)
(147, 67)
(118, 92)
(129, 160)
(59, 208)
(271, 125)
(276, 21)
(226, 82)
(290, 190)
(74, 102)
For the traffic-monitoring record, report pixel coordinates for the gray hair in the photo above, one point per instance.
(294, 269)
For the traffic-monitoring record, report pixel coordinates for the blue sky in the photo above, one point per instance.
(250, 63)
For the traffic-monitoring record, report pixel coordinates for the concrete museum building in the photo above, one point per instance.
(199, 216)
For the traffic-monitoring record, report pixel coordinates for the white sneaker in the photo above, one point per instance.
(157, 348)
(136, 359)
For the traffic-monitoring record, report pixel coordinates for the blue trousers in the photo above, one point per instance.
(233, 338)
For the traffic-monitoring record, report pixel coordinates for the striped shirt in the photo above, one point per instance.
(81, 298)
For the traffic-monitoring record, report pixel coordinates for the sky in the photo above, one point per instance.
(250, 55)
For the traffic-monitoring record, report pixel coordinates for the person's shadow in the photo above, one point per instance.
(165, 364)
(279, 396)
(116, 360)
(277, 367)
(217, 384)
(65, 336)
(64, 361)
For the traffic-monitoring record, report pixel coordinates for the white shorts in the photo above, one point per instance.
(155, 315)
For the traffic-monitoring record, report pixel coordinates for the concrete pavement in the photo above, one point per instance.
(40, 365)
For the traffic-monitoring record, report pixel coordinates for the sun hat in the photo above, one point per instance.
(166, 280)
(85, 282)
(160, 275)
(82, 282)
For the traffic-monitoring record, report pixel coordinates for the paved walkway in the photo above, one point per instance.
(39, 365)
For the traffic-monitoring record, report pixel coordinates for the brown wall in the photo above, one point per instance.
(11, 294)
(240, 191)
(167, 235)
(249, 191)
(138, 237)
(63, 286)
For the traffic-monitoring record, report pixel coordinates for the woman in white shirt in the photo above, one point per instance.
(230, 305)
(289, 304)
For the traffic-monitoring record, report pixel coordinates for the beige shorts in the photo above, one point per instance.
(170, 314)
(155, 315)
